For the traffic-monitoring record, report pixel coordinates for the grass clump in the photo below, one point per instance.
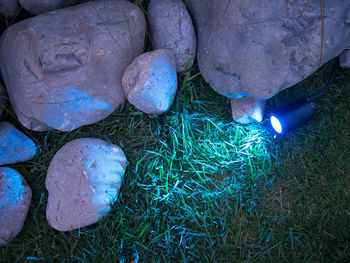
(201, 188)
(192, 174)
(204, 170)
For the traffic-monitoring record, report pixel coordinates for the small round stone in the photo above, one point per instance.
(150, 81)
(247, 109)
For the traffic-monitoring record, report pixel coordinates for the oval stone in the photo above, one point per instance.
(83, 180)
(171, 27)
(63, 69)
(15, 198)
(150, 81)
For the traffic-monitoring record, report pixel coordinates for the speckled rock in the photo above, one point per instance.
(15, 198)
(9, 8)
(37, 7)
(171, 27)
(70, 63)
(258, 48)
(2, 100)
(14, 145)
(83, 180)
(247, 109)
(150, 81)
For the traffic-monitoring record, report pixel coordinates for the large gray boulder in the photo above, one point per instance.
(83, 180)
(37, 7)
(15, 198)
(150, 81)
(9, 8)
(63, 69)
(171, 27)
(254, 48)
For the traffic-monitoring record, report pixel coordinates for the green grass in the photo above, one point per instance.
(201, 188)
(192, 173)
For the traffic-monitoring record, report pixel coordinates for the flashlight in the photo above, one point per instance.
(291, 116)
(297, 113)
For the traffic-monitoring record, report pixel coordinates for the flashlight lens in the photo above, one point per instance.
(276, 125)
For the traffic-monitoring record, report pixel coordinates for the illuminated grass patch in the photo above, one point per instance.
(204, 159)
(199, 172)
(203, 170)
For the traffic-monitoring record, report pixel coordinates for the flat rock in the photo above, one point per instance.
(171, 27)
(14, 145)
(150, 81)
(9, 8)
(250, 48)
(37, 7)
(63, 69)
(83, 180)
(15, 198)
(247, 109)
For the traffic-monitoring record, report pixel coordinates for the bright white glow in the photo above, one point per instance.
(276, 125)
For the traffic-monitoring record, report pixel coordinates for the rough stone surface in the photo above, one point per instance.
(2, 100)
(83, 179)
(14, 145)
(247, 109)
(171, 27)
(37, 7)
(344, 59)
(63, 69)
(150, 81)
(259, 49)
(15, 198)
(9, 8)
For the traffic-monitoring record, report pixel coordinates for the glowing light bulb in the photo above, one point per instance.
(276, 124)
